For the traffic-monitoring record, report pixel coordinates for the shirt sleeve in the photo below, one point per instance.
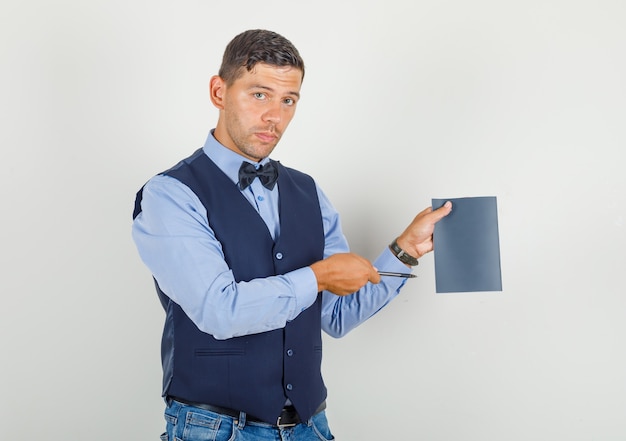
(178, 246)
(341, 314)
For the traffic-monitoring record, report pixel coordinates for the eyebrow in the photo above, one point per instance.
(269, 89)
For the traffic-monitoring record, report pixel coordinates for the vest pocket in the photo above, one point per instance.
(215, 374)
(216, 352)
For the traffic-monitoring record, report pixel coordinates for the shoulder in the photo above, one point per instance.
(167, 190)
(293, 173)
(189, 161)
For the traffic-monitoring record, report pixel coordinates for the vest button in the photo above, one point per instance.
(289, 386)
(279, 256)
(290, 352)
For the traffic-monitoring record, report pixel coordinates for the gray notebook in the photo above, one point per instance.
(467, 246)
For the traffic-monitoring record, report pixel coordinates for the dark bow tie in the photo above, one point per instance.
(268, 174)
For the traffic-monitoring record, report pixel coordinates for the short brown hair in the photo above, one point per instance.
(258, 46)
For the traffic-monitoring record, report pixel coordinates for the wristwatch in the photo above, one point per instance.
(402, 255)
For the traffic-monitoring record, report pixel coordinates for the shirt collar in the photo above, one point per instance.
(227, 160)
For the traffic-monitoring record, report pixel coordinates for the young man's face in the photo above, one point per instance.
(256, 109)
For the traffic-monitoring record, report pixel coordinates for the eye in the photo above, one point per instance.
(289, 101)
(259, 95)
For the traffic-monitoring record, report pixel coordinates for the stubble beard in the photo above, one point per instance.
(246, 141)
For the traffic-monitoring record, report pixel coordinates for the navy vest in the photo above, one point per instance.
(253, 373)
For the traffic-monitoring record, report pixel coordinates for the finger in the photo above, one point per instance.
(374, 276)
(442, 211)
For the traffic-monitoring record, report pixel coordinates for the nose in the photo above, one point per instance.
(272, 113)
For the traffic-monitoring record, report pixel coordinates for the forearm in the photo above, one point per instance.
(228, 309)
(341, 314)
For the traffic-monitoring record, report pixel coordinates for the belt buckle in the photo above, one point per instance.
(282, 426)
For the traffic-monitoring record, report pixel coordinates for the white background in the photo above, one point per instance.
(402, 101)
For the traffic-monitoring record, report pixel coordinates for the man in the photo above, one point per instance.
(250, 264)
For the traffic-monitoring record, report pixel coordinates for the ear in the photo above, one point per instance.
(217, 88)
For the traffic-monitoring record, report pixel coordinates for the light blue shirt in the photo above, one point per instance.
(177, 244)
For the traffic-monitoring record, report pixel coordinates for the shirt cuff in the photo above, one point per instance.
(304, 288)
(387, 261)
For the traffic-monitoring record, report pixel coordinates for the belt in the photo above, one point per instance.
(288, 416)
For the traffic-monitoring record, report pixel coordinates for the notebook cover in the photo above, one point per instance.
(467, 246)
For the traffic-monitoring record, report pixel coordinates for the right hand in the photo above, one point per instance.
(344, 273)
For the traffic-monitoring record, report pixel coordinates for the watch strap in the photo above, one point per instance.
(402, 255)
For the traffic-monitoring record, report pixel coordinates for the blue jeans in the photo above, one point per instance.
(188, 423)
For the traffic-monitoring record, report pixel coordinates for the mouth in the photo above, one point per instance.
(267, 136)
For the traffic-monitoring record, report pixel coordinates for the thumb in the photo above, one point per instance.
(374, 276)
(442, 211)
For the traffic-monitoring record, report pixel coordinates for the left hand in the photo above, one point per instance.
(417, 238)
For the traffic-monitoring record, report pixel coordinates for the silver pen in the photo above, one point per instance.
(391, 274)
